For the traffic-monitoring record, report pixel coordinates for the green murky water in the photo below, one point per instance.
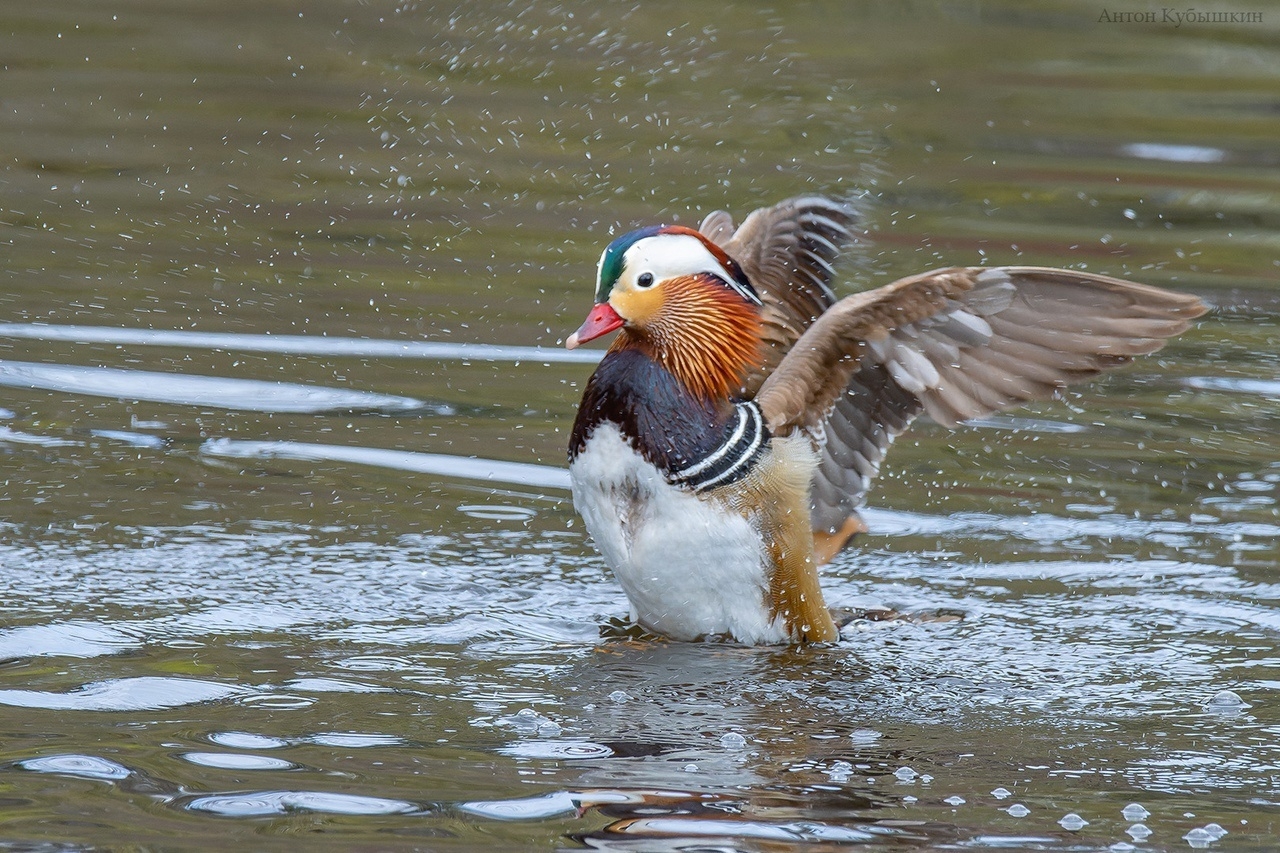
(276, 563)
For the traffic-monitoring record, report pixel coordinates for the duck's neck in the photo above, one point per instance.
(667, 424)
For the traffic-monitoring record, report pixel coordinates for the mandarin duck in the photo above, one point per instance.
(728, 437)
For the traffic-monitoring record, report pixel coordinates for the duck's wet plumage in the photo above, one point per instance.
(747, 314)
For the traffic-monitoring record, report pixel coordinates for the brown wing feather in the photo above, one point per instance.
(801, 392)
(788, 252)
(958, 344)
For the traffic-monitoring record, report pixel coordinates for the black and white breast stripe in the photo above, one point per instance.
(734, 458)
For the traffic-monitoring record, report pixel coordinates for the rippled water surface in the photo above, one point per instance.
(287, 550)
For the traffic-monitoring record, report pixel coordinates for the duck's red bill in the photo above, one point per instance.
(601, 321)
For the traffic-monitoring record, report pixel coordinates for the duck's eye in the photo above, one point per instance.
(645, 279)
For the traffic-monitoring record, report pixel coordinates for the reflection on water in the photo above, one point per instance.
(234, 761)
(294, 344)
(285, 534)
(1174, 153)
(285, 802)
(1261, 387)
(84, 766)
(485, 470)
(188, 390)
(146, 693)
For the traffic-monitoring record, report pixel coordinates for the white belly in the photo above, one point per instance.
(690, 567)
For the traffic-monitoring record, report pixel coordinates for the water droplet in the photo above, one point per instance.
(1227, 703)
(1198, 838)
(732, 740)
(556, 750)
(1072, 822)
(1002, 793)
(905, 774)
(1135, 812)
(1139, 832)
(1018, 810)
(840, 771)
(528, 721)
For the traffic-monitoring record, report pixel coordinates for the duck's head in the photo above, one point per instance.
(677, 295)
(684, 301)
(652, 277)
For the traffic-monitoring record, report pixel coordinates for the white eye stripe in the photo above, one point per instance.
(670, 256)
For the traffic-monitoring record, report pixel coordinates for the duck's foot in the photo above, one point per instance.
(618, 628)
(845, 616)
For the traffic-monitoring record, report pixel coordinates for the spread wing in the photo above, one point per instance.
(788, 252)
(957, 344)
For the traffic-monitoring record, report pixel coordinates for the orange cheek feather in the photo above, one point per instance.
(637, 307)
(697, 328)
